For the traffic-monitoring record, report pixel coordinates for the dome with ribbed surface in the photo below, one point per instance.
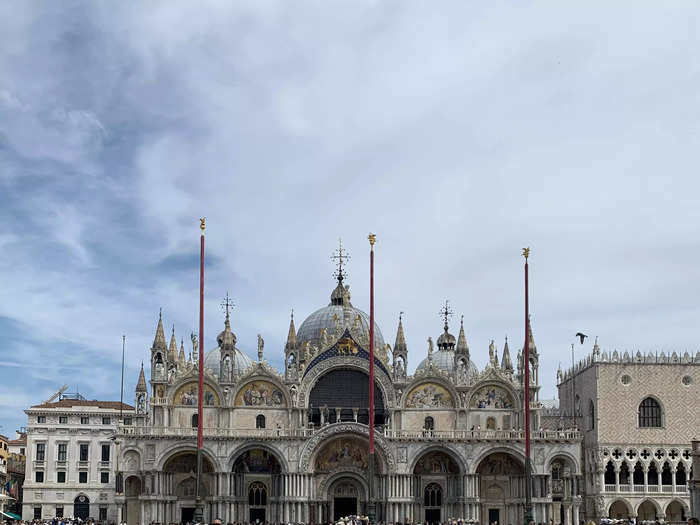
(340, 313)
(212, 361)
(445, 360)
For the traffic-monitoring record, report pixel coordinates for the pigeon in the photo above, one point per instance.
(581, 336)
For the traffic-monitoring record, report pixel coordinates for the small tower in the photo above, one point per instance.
(534, 356)
(446, 341)
(462, 355)
(172, 356)
(400, 353)
(506, 363)
(227, 348)
(141, 397)
(181, 359)
(159, 358)
(291, 355)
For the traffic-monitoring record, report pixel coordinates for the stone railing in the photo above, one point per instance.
(641, 489)
(301, 433)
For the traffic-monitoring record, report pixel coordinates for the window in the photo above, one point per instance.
(127, 421)
(41, 419)
(649, 413)
(82, 477)
(21, 451)
(433, 495)
(104, 477)
(39, 476)
(591, 415)
(260, 421)
(610, 473)
(40, 451)
(62, 451)
(105, 452)
(556, 471)
(103, 513)
(106, 420)
(37, 513)
(429, 423)
(195, 420)
(63, 420)
(84, 450)
(59, 512)
(257, 495)
(84, 420)
(60, 476)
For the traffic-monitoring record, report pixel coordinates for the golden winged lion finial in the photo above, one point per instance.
(202, 223)
(526, 253)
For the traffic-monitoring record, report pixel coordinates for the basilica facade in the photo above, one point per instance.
(292, 445)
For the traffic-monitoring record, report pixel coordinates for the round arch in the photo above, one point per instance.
(620, 508)
(504, 449)
(238, 452)
(495, 383)
(430, 379)
(328, 483)
(176, 449)
(453, 454)
(130, 459)
(383, 381)
(647, 509)
(209, 381)
(576, 470)
(257, 377)
(676, 510)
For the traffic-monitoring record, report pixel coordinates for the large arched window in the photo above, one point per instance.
(638, 474)
(433, 495)
(610, 473)
(680, 474)
(649, 413)
(653, 475)
(260, 421)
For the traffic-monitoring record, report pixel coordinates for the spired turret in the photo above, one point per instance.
(400, 353)
(159, 352)
(141, 397)
(462, 356)
(291, 356)
(506, 363)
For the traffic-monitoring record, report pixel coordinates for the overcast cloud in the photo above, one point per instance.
(458, 132)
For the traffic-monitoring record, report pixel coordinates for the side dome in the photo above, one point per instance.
(445, 360)
(212, 361)
(339, 313)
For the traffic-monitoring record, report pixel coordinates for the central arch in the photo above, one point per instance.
(346, 495)
(341, 395)
(437, 471)
(501, 487)
(181, 467)
(257, 477)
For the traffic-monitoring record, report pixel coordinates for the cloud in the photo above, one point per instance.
(458, 135)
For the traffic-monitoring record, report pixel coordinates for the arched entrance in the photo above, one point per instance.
(502, 487)
(257, 486)
(647, 511)
(132, 491)
(182, 468)
(437, 475)
(346, 496)
(675, 512)
(81, 507)
(619, 510)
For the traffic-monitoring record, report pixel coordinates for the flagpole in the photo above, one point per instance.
(526, 403)
(199, 511)
(371, 508)
(121, 396)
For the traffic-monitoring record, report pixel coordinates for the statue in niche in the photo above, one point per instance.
(171, 373)
(227, 392)
(226, 372)
(293, 392)
(141, 404)
(160, 370)
(461, 372)
(398, 367)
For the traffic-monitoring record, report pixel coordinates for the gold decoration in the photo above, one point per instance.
(344, 452)
(526, 253)
(372, 239)
(187, 395)
(259, 394)
(202, 223)
(347, 346)
(429, 395)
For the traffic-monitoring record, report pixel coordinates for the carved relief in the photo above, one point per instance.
(491, 397)
(429, 395)
(259, 393)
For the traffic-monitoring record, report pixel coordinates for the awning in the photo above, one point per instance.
(11, 515)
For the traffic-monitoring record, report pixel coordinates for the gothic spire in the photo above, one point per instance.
(141, 384)
(173, 346)
(532, 348)
(400, 342)
(159, 340)
(462, 347)
(181, 356)
(292, 334)
(506, 363)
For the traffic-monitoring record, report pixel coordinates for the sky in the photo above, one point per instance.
(457, 132)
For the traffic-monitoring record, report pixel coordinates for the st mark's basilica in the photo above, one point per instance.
(292, 445)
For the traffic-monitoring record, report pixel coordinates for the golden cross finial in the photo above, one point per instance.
(226, 304)
(202, 224)
(341, 256)
(372, 239)
(446, 312)
(526, 253)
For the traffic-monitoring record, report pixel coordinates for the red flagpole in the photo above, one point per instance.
(526, 365)
(371, 505)
(199, 511)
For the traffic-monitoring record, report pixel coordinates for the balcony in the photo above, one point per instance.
(302, 433)
(61, 464)
(641, 489)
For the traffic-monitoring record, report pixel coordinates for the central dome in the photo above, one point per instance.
(340, 313)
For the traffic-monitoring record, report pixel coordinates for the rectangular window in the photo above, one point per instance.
(63, 420)
(127, 421)
(105, 452)
(60, 476)
(40, 451)
(39, 476)
(37, 513)
(103, 513)
(82, 477)
(84, 420)
(59, 512)
(21, 451)
(104, 477)
(84, 452)
(41, 419)
(62, 451)
(106, 420)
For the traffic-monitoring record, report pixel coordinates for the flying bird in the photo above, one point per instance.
(581, 336)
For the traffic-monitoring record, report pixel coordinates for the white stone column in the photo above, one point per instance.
(567, 514)
(617, 479)
(576, 516)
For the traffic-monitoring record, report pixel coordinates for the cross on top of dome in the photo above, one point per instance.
(446, 312)
(340, 256)
(227, 304)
